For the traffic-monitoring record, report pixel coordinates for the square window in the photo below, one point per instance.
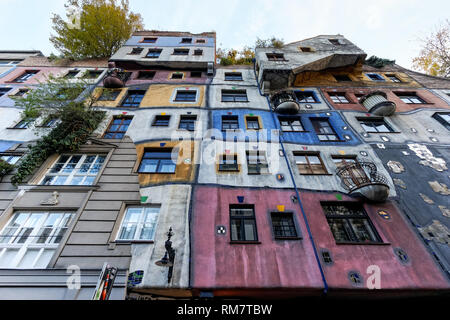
(233, 76)
(146, 75)
(158, 160)
(243, 223)
(234, 96)
(309, 163)
(230, 123)
(161, 121)
(290, 124)
(342, 77)
(136, 51)
(177, 75)
(118, 127)
(196, 74)
(134, 98)
(323, 129)
(180, 52)
(153, 53)
(228, 162)
(257, 162)
(275, 56)
(198, 52)
(374, 125)
(283, 225)
(410, 97)
(187, 122)
(306, 97)
(252, 123)
(186, 96)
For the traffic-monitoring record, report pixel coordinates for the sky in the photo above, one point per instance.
(385, 28)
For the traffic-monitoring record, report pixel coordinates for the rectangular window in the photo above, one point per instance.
(186, 95)
(306, 96)
(196, 74)
(161, 121)
(146, 75)
(49, 122)
(410, 97)
(375, 77)
(153, 53)
(21, 92)
(198, 52)
(23, 124)
(377, 125)
(230, 123)
(109, 95)
(71, 74)
(309, 163)
(393, 78)
(257, 162)
(157, 160)
(134, 98)
(4, 91)
(177, 75)
(30, 239)
(342, 77)
(338, 97)
(252, 123)
(324, 130)
(275, 56)
(139, 224)
(243, 223)
(118, 127)
(349, 223)
(291, 124)
(233, 76)
(149, 39)
(443, 118)
(186, 40)
(283, 225)
(92, 74)
(200, 41)
(74, 169)
(180, 52)
(10, 158)
(228, 162)
(335, 42)
(187, 122)
(136, 51)
(25, 76)
(234, 96)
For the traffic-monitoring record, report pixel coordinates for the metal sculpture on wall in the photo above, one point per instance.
(169, 256)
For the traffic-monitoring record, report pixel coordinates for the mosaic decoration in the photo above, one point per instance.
(436, 231)
(384, 214)
(135, 278)
(240, 199)
(401, 255)
(294, 198)
(280, 208)
(144, 199)
(363, 153)
(221, 230)
(381, 146)
(338, 196)
(280, 177)
(426, 198)
(326, 257)
(162, 144)
(440, 188)
(400, 183)
(395, 166)
(445, 211)
(355, 278)
(427, 157)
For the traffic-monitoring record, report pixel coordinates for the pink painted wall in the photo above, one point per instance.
(163, 76)
(291, 263)
(42, 75)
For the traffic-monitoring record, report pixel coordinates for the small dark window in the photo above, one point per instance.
(149, 40)
(275, 56)
(306, 96)
(109, 95)
(410, 97)
(118, 127)
(180, 52)
(243, 223)
(252, 123)
(283, 225)
(309, 163)
(146, 75)
(228, 162)
(186, 40)
(342, 77)
(393, 78)
(338, 97)
(196, 74)
(374, 125)
(157, 160)
(324, 130)
(233, 76)
(71, 74)
(198, 52)
(200, 41)
(133, 98)
(4, 91)
(375, 77)
(257, 162)
(25, 76)
(306, 49)
(187, 122)
(186, 95)
(136, 50)
(443, 118)
(177, 75)
(326, 257)
(290, 124)
(335, 42)
(234, 96)
(161, 121)
(230, 123)
(153, 53)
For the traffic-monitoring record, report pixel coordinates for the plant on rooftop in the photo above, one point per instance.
(378, 63)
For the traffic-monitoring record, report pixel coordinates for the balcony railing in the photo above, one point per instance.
(285, 102)
(378, 104)
(363, 178)
(115, 78)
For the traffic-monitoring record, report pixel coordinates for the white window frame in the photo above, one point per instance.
(10, 158)
(154, 210)
(175, 91)
(30, 242)
(74, 171)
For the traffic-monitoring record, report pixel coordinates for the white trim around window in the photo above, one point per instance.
(139, 223)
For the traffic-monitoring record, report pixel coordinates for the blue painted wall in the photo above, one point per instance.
(164, 41)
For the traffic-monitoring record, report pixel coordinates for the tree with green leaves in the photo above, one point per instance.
(94, 28)
(434, 57)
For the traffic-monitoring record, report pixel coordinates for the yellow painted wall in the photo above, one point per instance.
(98, 92)
(161, 95)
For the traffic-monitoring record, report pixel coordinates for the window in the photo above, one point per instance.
(342, 77)
(186, 95)
(180, 52)
(283, 225)
(23, 124)
(187, 122)
(50, 122)
(25, 76)
(118, 127)
(374, 125)
(306, 96)
(92, 74)
(234, 96)
(375, 77)
(133, 98)
(355, 174)
(309, 163)
(71, 74)
(198, 52)
(8, 62)
(109, 95)
(157, 160)
(30, 239)
(338, 97)
(335, 42)
(196, 74)
(161, 121)
(10, 158)
(233, 76)
(349, 223)
(149, 39)
(275, 56)
(4, 91)
(139, 224)
(177, 75)
(200, 41)
(146, 75)
(21, 92)
(243, 223)
(290, 124)
(257, 162)
(186, 40)
(228, 162)
(230, 122)
(74, 169)
(393, 78)
(324, 130)
(409, 97)
(305, 49)
(252, 123)
(153, 53)
(136, 50)
(443, 118)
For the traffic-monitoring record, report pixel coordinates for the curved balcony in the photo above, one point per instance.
(285, 102)
(115, 79)
(378, 104)
(363, 179)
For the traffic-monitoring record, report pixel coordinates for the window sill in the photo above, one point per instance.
(58, 187)
(364, 243)
(17, 128)
(134, 241)
(288, 238)
(245, 242)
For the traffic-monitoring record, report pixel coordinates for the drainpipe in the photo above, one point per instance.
(311, 238)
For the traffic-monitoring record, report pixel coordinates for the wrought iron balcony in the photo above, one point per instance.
(362, 178)
(285, 102)
(378, 104)
(115, 79)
